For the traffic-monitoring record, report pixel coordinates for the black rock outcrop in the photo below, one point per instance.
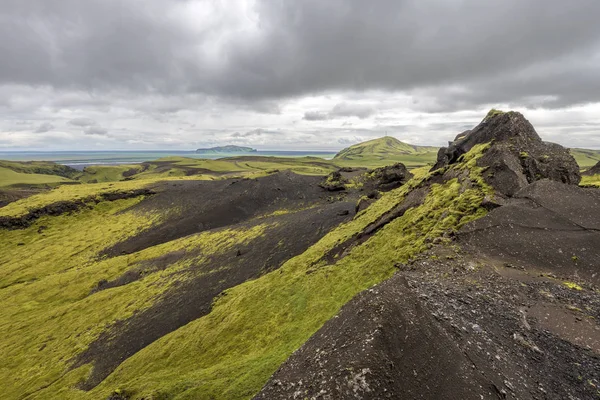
(517, 156)
(388, 177)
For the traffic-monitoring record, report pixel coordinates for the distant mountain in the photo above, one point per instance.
(385, 148)
(226, 149)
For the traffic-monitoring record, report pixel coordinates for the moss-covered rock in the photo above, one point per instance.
(517, 156)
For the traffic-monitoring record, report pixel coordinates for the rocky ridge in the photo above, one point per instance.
(504, 308)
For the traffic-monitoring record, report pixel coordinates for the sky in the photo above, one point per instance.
(294, 75)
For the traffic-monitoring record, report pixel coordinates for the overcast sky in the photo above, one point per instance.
(291, 74)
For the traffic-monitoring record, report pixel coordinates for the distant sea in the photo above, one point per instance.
(82, 159)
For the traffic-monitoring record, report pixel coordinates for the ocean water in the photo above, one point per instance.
(82, 159)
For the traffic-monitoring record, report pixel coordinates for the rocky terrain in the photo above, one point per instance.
(476, 278)
(506, 309)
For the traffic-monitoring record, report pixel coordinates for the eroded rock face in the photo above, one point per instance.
(517, 156)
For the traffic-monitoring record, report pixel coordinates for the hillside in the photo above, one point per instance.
(226, 149)
(240, 278)
(22, 179)
(586, 158)
(385, 149)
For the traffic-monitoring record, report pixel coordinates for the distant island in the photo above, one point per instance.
(226, 149)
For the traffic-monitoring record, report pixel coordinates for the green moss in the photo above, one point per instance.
(8, 177)
(258, 324)
(572, 285)
(46, 285)
(492, 113)
(592, 181)
(70, 193)
(385, 151)
(228, 354)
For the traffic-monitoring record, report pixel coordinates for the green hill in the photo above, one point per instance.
(585, 157)
(384, 150)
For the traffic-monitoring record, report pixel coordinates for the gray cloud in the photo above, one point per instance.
(83, 122)
(318, 46)
(316, 116)
(352, 110)
(44, 127)
(341, 110)
(95, 130)
(159, 66)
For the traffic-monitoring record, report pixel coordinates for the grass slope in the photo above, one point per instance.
(40, 167)
(50, 313)
(381, 151)
(585, 158)
(243, 166)
(592, 181)
(9, 177)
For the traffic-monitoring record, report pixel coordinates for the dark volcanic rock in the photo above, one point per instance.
(334, 182)
(388, 177)
(595, 170)
(382, 345)
(548, 226)
(517, 156)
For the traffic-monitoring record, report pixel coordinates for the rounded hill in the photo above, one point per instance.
(381, 148)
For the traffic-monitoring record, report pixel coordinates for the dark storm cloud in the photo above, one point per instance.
(403, 45)
(289, 48)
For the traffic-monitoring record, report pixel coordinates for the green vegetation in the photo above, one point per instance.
(385, 151)
(593, 180)
(40, 167)
(492, 113)
(572, 285)
(9, 177)
(85, 192)
(211, 358)
(109, 173)
(585, 158)
(51, 268)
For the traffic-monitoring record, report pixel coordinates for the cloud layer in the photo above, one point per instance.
(177, 74)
